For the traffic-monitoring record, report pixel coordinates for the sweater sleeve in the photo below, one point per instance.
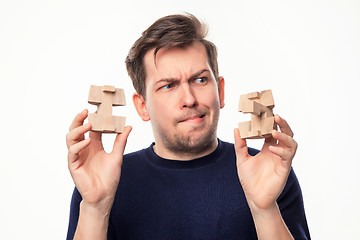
(292, 210)
(74, 214)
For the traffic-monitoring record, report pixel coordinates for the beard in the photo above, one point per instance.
(188, 143)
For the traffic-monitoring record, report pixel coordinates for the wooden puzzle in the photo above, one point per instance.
(105, 97)
(260, 105)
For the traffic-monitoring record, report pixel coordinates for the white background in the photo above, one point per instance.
(307, 52)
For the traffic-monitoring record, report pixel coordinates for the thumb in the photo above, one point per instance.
(240, 145)
(120, 142)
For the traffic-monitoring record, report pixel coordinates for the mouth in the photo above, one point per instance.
(194, 119)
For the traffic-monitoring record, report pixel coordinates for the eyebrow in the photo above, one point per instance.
(169, 80)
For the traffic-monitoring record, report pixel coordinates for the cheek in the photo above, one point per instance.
(160, 110)
(210, 98)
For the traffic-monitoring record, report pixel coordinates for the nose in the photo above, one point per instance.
(188, 98)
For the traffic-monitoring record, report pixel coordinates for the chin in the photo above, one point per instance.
(193, 143)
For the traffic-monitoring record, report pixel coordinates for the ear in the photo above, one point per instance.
(140, 106)
(221, 90)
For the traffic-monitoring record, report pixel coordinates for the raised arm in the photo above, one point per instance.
(96, 175)
(263, 178)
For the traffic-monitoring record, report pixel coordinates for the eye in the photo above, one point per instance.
(167, 86)
(201, 80)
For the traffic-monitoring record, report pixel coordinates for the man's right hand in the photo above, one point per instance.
(96, 173)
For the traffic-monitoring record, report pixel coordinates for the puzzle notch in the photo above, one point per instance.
(105, 97)
(260, 105)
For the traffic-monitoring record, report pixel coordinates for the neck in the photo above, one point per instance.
(165, 152)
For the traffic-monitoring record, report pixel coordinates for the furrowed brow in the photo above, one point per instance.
(165, 80)
(198, 73)
(170, 80)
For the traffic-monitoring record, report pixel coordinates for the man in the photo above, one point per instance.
(188, 184)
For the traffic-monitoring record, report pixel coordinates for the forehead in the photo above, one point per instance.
(175, 62)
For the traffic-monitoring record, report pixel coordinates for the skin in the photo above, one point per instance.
(264, 176)
(96, 175)
(183, 100)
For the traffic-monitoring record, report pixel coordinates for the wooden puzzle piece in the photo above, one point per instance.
(105, 97)
(260, 105)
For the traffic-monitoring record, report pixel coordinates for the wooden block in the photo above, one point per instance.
(248, 106)
(95, 120)
(105, 97)
(260, 106)
(267, 99)
(119, 97)
(95, 95)
(255, 122)
(244, 128)
(243, 103)
(119, 123)
(107, 88)
(267, 125)
(254, 95)
(246, 132)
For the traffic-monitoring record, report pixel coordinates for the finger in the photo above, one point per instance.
(284, 126)
(79, 119)
(77, 134)
(75, 149)
(120, 142)
(240, 145)
(96, 139)
(270, 140)
(285, 140)
(284, 153)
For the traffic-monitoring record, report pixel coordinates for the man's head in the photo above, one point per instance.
(167, 32)
(178, 87)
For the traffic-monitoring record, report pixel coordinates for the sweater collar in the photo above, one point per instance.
(209, 159)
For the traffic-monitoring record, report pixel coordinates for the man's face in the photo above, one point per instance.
(183, 100)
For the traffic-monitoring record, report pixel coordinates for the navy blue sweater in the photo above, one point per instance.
(198, 199)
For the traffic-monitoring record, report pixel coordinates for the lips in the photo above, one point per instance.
(193, 118)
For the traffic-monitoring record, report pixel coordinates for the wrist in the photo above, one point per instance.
(269, 209)
(93, 221)
(269, 223)
(101, 208)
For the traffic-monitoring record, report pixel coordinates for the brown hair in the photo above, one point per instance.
(170, 32)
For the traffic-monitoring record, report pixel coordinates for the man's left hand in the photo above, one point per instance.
(264, 176)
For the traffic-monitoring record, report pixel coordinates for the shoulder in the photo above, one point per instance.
(134, 162)
(134, 156)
